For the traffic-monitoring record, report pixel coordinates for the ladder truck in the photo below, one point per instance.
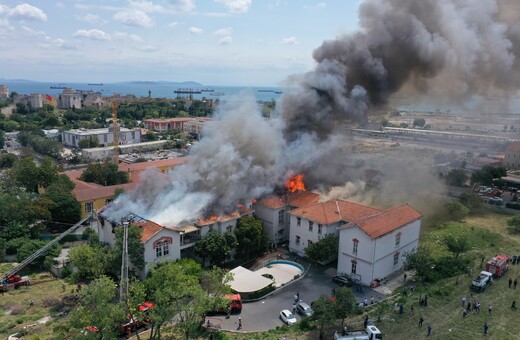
(11, 280)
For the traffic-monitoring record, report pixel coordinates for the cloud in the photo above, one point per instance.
(196, 30)
(172, 24)
(223, 32)
(319, 5)
(125, 36)
(5, 25)
(56, 43)
(91, 19)
(182, 5)
(26, 11)
(133, 18)
(290, 41)
(147, 48)
(4, 9)
(225, 40)
(145, 6)
(94, 34)
(34, 33)
(236, 6)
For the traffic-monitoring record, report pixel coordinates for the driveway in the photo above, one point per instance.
(264, 314)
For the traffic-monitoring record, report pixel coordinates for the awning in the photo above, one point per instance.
(245, 281)
(188, 229)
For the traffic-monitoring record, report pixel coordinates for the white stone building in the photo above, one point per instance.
(105, 136)
(70, 99)
(4, 91)
(372, 248)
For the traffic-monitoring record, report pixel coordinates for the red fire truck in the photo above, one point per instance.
(498, 265)
(13, 282)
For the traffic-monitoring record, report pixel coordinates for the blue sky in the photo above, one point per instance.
(215, 42)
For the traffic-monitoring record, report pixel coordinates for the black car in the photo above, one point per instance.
(343, 281)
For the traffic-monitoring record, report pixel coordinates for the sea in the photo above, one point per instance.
(158, 90)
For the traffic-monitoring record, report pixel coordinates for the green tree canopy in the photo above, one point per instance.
(514, 224)
(323, 250)
(216, 245)
(324, 312)
(135, 250)
(456, 177)
(104, 174)
(345, 303)
(250, 236)
(488, 174)
(456, 211)
(90, 262)
(25, 172)
(457, 245)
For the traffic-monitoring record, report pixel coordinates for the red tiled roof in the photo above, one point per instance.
(295, 199)
(81, 194)
(387, 221)
(149, 229)
(328, 213)
(222, 218)
(171, 162)
(513, 147)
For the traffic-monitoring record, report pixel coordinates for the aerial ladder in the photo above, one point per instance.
(10, 280)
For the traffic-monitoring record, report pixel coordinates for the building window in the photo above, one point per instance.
(210, 227)
(298, 221)
(108, 201)
(89, 206)
(355, 244)
(396, 259)
(311, 224)
(397, 240)
(354, 267)
(281, 231)
(281, 216)
(309, 242)
(297, 241)
(320, 229)
(229, 228)
(162, 249)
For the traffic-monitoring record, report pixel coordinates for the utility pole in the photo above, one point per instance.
(123, 285)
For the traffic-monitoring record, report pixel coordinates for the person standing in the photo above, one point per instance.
(421, 320)
(425, 300)
(514, 283)
(464, 312)
(463, 300)
(510, 282)
(490, 309)
(429, 330)
(365, 322)
(513, 305)
(485, 328)
(239, 322)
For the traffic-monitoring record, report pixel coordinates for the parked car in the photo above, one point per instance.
(287, 317)
(343, 281)
(304, 309)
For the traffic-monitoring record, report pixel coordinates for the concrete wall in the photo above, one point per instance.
(305, 234)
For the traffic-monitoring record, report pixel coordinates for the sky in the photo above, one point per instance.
(214, 42)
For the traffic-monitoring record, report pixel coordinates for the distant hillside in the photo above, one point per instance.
(2, 80)
(145, 82)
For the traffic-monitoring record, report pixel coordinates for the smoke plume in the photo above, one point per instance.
(459, 49)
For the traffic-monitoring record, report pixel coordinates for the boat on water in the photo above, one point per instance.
(273, 91)
(95, 84)
(59, 87)
(207, 90)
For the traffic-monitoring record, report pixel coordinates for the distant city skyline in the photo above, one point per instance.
(215, 42)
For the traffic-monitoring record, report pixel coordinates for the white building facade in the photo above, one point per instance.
(105, 136)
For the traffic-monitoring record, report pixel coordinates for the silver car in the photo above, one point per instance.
(304, 309)
(287, 317)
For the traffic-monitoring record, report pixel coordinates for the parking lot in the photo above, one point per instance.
(264, 314)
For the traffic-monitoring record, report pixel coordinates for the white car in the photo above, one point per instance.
(287, 317)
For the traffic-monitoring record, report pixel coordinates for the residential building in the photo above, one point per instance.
(33, 101)
(105, 136)
(166, 124)
(194, 127)
(310, 223)
(168, 243)
(93, 197)
(512, 156)
(374, 247)
(273, 211)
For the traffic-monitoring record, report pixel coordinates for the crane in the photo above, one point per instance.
(115, 132)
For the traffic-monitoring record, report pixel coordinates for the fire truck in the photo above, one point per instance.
(135, 323)
(234, 306)
(498, 265)
(11, 280)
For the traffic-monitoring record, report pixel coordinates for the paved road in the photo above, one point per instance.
(264, 314)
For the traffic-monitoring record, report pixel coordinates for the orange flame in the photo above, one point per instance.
(213, 218)
(295, 183)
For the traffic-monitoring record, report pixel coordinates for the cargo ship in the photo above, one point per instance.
(95, 84)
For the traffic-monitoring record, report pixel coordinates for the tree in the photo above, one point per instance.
(457, 245)
(250, 235)
(64, 207)
(14, 230)
(135, 250)
(2, 139)
(150, 136)
(488, 174)
(456, 211)
(456, 177)
(419, 261)
(324, 312)
(97, 308)
(323, 250)
(514, 224)
(47, 173)
(182, 290)
(25, 172)
(471, 201)
(104, 174)
(216, 246)
(90, 262)
(7, 160)
(345, 303)
(419, 122)
(32, 246)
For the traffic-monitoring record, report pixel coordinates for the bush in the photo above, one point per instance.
(50, 301)
(17, 309)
